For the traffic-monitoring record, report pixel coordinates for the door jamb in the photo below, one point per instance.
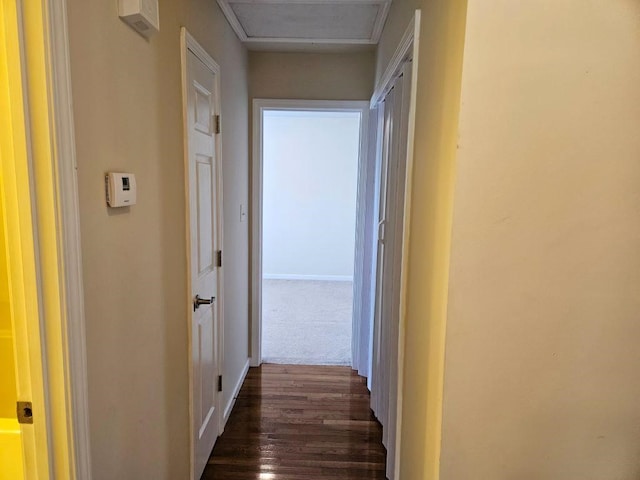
(260, 105)
(189, 43)
(71, 247)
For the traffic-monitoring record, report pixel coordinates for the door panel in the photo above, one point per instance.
(388, 314)
(205, 214)
(204, 205)
(206, 362)
(387, 264)
(202, 111)
(378, 381)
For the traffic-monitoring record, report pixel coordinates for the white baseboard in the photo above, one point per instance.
(236, 391)
(294, 276)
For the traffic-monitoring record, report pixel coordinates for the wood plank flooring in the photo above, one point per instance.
(300, 423)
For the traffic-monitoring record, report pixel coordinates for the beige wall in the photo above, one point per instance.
(400, 15)
(542, 378)
(128, 113)
(311, 76)
(437, 106)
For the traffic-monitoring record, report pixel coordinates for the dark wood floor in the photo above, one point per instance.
(300, 423)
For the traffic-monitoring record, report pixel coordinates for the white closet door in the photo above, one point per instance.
(373, 239)
(378, 374)
(364, 290)
(394, 255)
(384, 393)
(389, 315)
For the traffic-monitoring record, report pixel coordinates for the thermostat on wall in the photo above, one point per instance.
(142, 15)
(121, 189)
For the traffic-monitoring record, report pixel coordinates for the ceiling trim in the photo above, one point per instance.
(233, 20)
(314, 2)
(325, 41)
(380, 21)
(373, 40)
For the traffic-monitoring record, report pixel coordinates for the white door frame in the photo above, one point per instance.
(261, 105)
(189, 44)
(408, 47)
(61, 320)
(69, 224)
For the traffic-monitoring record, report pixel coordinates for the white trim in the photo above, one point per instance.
(189, 43)
(378, 25)
(236, 390)
(233, 20)
(311, 2)
(311, 105)
(403, 51)
(261, 105)
(296, 276)
(314, 41)
(74, 349)
(380, 21)
(406, 235)
(255, 310)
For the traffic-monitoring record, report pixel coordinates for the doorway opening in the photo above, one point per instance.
(305, 194)
(310, 168)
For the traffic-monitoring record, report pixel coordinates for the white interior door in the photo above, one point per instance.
(204, 216)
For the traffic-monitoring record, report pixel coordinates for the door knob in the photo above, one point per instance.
(201, 301)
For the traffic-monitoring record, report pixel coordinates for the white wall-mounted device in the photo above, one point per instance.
(142, 15)
(121, 189)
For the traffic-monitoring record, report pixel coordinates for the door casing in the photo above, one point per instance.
(261, 105)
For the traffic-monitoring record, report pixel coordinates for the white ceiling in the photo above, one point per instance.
(306, 24)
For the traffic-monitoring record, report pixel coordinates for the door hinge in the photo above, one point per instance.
(219, 383)
(216, 119)
(25, 412)
(219, 258)
(381, 230)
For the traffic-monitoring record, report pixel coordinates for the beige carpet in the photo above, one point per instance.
(306, 322)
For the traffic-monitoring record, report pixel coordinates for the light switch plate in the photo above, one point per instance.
(243, 213)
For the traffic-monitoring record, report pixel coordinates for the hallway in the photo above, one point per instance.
(300, 422)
